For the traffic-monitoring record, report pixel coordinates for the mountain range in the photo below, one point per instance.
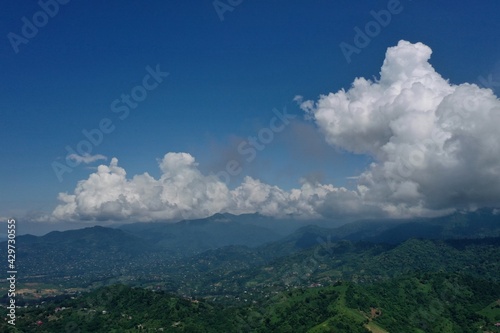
(251, 273)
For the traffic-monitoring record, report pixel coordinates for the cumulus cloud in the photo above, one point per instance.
(181, 192)
(436, 146)
(86, 158)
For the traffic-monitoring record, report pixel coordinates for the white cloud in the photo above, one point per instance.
(181, 192)
(86, 158)
(436, 146)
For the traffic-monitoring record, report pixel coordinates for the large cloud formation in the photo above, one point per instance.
(435, 146)
(182, 192)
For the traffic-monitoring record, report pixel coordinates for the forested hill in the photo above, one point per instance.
(440, 303)
(316, 279)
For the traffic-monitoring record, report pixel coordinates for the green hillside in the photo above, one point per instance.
(418, 303)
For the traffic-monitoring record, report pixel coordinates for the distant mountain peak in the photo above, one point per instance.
(222, 217)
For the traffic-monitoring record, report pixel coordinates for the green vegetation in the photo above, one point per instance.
(108, 280)
(418, 303)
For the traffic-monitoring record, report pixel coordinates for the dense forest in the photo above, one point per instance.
(424, 302)
(348, 279)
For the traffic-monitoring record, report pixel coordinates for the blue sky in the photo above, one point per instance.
(225, 78)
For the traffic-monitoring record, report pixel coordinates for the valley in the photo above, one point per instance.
(314, 279)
